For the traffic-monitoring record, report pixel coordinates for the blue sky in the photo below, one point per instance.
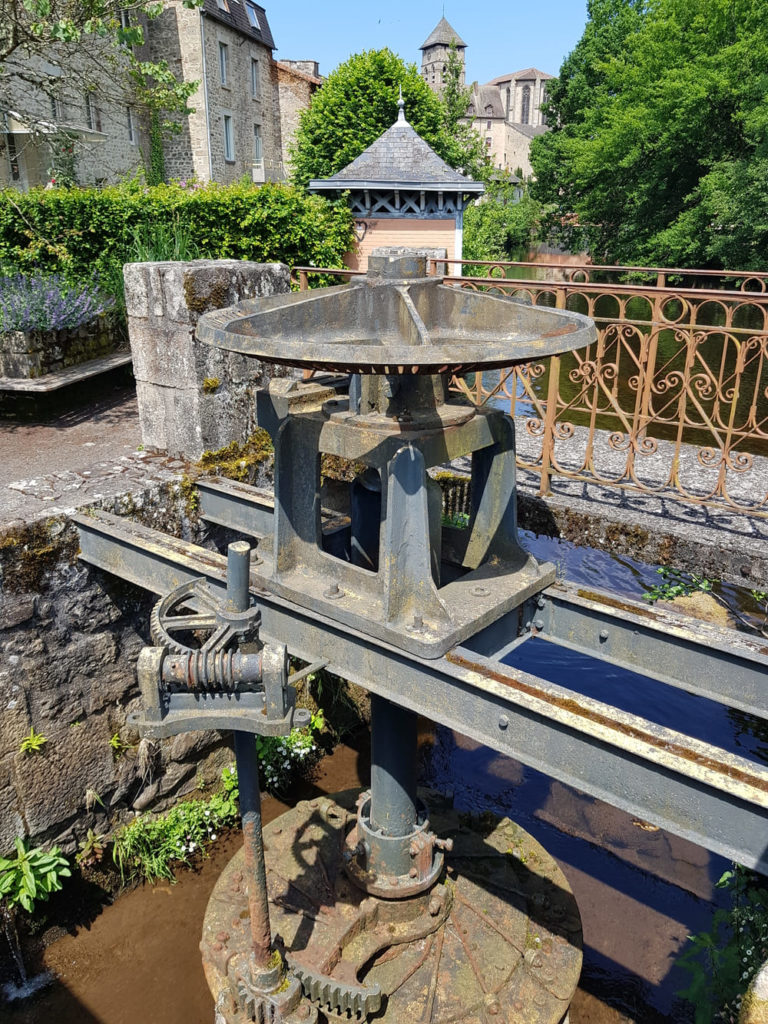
(500, 37)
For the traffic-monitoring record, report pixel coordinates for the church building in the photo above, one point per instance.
(506, 111)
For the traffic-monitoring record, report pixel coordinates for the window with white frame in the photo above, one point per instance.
(258, 148)
(255, 82)
(132, 134)
(92, 114)
(229, 139)
(224, 63)
(222, 5)
(125, 19)
(253, 15)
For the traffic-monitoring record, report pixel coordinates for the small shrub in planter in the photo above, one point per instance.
(48, 322)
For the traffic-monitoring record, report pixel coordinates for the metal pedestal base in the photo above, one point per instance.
(497, 940)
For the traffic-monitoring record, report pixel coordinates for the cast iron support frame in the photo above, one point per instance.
(700, 792)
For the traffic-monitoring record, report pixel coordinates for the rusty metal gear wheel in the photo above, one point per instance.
(192, 611)
(499, 940)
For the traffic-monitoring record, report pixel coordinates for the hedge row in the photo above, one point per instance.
(82, 231)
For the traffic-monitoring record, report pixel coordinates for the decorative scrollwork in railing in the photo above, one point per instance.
(672, 398)
(673, 368)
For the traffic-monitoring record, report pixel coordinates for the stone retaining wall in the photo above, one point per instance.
(30, 354)
(69, 639)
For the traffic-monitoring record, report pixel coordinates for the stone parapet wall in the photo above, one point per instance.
(30, 354)
(192, 397)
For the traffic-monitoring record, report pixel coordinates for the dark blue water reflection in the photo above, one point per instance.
(665, 705)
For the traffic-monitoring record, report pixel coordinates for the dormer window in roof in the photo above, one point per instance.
(253, 16)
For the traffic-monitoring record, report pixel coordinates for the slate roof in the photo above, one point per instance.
(485, 96)
(520, 76)
(442, 34)
(398, 158)
(237, 18)
(531, 130)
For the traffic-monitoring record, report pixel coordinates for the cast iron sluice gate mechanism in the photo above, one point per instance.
(372, 906)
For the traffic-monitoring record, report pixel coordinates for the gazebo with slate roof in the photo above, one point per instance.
(403, 194)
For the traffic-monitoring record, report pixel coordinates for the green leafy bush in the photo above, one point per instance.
(32, 875)
(33, 742)
(284, 758)
(723, 961)
(81, 231)
(501, 226)
(676, 583)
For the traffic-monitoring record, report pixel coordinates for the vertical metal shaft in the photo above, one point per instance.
(393, 768)
(238, 599)
(238, 575)
(253, 849)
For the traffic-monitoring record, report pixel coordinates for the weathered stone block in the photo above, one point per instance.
(193, 397)
(11, 821)
(162, 354)
(14, 714)
(191, 746)
(77, 758)
(15, 609)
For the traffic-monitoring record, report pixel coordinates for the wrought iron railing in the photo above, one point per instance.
(672, 398)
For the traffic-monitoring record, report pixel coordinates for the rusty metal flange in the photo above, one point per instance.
(498, 941)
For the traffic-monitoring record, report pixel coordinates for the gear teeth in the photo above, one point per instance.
(348, 1001)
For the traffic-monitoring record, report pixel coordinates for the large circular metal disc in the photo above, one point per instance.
(499, 940)
(395, 326)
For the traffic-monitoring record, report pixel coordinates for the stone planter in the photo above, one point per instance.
(30, 354)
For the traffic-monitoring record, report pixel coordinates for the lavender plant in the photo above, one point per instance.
(40, 302)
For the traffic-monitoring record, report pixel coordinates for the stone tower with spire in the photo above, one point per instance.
(434, 54)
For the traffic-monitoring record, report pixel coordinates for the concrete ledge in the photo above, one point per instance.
(71, 375)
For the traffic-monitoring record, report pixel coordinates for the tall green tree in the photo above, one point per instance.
(503, 225)
(355, 105)
(465, 149)
(659, 147)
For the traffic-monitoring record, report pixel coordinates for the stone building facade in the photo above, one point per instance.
(245, 107)
(54, 125)
(297, 80)
(435, 51)
(506, 111)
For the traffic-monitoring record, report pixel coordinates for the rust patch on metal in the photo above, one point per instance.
(616, 602)
(624, 728)
(569, 329)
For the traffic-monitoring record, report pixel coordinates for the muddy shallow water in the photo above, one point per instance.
(639, 894)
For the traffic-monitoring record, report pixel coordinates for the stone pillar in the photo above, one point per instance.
(193, 397)
(393, 251)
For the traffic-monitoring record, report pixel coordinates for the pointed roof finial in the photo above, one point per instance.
(401, 108)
